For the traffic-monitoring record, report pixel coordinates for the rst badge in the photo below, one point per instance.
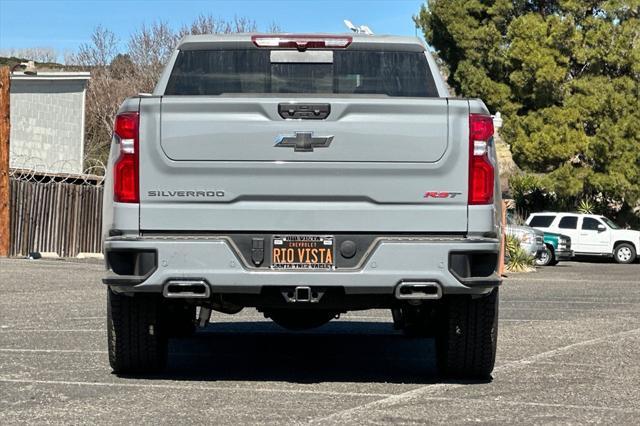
(441, 194)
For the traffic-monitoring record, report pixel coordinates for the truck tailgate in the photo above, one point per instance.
(214, 164)
(245, 130)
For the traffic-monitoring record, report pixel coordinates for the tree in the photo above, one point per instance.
(566, 76)
(106, 89)
(122, 67)
(149, 49)
(38, 54)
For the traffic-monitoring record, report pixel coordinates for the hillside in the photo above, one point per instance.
(41, 66)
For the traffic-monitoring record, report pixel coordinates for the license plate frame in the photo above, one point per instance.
(301, 252)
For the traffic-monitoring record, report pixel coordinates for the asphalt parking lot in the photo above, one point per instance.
(568, 351)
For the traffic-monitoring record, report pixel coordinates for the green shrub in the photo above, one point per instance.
(528, 193)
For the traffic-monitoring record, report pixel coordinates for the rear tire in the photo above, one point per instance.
(467, 336)
(136, 333)
(624, 253)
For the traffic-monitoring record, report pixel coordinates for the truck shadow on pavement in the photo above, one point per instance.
(341, 351)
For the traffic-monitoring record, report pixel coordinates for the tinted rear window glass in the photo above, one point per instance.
(218, 72)
(541, 221)
(590, 224)
(568, 222)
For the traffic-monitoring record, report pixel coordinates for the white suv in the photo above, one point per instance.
(590, 234)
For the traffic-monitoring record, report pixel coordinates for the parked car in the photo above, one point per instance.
(557, 248)
(591, 235)
(531, 240)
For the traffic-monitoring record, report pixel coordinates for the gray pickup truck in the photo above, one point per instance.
(305, 176)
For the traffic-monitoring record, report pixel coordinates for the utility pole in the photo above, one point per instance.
(5, 127)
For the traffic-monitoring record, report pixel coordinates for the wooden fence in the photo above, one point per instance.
(60, 217)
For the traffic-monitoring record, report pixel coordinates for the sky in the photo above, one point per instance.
(65, 24)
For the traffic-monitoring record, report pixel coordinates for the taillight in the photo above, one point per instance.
(301, 42)
(125, 170)
(481, 170)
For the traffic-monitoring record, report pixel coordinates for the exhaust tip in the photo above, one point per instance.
(418, 290)
(186, 289)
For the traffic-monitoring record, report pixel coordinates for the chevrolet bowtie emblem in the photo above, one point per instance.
(303, 141)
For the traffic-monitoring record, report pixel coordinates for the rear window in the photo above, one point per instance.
(590, 224)
(351, 72)
(541, 221)
(568, 222)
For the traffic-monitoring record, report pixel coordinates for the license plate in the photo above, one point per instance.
(302, 252)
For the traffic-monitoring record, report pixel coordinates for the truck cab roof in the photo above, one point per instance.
(243, 40)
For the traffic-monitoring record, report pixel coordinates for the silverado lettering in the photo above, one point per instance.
(185, 193)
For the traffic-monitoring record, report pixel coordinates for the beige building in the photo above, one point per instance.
(47, 121)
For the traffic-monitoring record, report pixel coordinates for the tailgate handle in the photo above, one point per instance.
(304, 111)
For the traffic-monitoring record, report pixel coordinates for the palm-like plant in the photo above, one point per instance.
(586, 206)
(517, 259)
(512, 244)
